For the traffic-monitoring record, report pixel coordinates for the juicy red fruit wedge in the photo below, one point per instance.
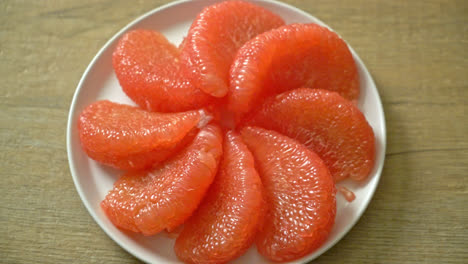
(289, 57)
(164, 197)
(326, 123)
(214, 38)
(299, 193)
(148, 68)
(224, 225)
(130, 138)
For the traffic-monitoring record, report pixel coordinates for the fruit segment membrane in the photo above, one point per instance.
(226, 147)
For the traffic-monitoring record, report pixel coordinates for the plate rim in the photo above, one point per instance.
(137, 20)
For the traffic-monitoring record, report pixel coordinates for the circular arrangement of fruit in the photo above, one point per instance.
(240, 135)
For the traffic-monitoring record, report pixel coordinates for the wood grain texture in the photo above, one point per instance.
(417, 51)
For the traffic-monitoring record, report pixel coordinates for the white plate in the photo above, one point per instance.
(93, 181)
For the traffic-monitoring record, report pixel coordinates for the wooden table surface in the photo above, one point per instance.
(417, 51)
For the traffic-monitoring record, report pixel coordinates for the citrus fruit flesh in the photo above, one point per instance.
(218, 190)
(214, 38)
(148, 68)
(299, 193)
(291, 56)
(129, 138)
(164, 197)
(347, 194)
(143, 160)
(224, 225)
(326, 123)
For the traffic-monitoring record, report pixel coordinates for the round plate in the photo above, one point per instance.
(93, 181)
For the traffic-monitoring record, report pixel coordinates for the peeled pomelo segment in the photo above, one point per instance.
(299, 193)
(290, 57)
(214, 38)
(144, 160)
(148, 68)
(163, 198)
(127, 137)
(224, 225)
(326, 123)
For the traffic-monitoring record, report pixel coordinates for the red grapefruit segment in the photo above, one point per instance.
(299, 192)
(148, 68)
(290, 57)
(130, 138)
(326, 123)
(148, 202)
(216, 35)
(224, 225)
